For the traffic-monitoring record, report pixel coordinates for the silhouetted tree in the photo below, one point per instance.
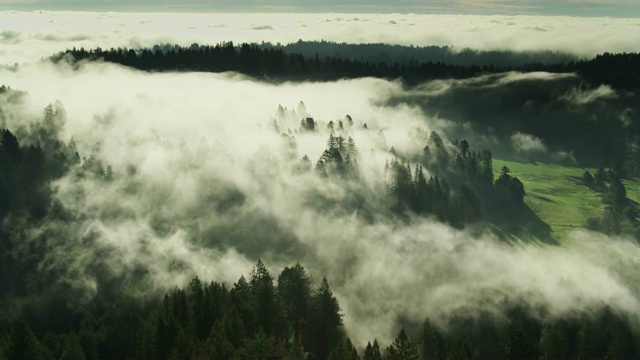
(265, 307)
(294, 290)
(402, 348)
(372, 351)
(433, 347)
(344, 351)
(510, 186)
(587, 179)
(23, 343)
(617, 193)
(599, 180)
(553, 343)
(325, 321)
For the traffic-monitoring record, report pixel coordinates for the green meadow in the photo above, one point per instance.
(556, 194)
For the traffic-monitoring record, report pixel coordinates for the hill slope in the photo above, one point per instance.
(556, 194)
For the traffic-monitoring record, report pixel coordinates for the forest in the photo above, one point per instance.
(140, 215)
(603, 90)
(413, 65)
(290, 316)
(273, 64)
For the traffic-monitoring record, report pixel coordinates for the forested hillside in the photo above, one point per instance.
(580, 109)
(266, 202)
(298, 62)
(261, 318)
(291, 316)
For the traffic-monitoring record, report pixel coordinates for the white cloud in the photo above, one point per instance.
(525, 143)
(582, 97)
(196, 138)
(39, 34)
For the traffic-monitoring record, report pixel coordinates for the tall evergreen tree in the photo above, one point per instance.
(553, 343)
(326, 321)
(372, 351)
(432, 342)
(402, 348)
(23, 344)
(265, 307)
(294, 291)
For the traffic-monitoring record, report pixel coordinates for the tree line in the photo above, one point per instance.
(379, 52)
(474, 194)
(446, 180)
(261, 317)
(537, 107)
(405, 175)
(276, 64)
(620, 214)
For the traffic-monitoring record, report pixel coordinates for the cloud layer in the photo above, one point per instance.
(623, 8)
(29, 36)
(203, 184)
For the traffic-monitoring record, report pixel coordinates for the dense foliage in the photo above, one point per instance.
(275, 63)
(621, 214)
(403, 55)
(260, 318)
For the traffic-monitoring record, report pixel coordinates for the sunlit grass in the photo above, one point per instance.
(555, 193)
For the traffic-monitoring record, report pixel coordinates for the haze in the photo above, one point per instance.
(29, 36)
(181, 143)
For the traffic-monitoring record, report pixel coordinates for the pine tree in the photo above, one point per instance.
(22, 343)
(402, 348)
(617, 193)
(372, 351)
(553, 343)
(294, 291)
(265, 308)
(344, 351)
(587, 179)
(432, 342)
(485, 164)
(518, 345)
(325, 321)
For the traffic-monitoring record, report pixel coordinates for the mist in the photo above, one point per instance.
(29, 36)
(530, 116)
(204, 180)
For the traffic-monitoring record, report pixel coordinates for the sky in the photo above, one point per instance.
(614, 8)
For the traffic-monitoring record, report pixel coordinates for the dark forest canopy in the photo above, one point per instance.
(296, 62)
(289, 317)
(390, 54)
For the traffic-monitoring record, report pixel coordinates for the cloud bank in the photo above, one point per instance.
(622, 8)
(29, 36)
(527, 143)
(203, 183)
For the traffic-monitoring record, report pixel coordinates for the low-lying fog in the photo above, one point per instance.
(205, 183)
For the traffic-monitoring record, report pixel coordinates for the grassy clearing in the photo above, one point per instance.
(633, 189)
(556, 195)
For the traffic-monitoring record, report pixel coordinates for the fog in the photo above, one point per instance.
(530, 116)
(29, 36)
(204, 183)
